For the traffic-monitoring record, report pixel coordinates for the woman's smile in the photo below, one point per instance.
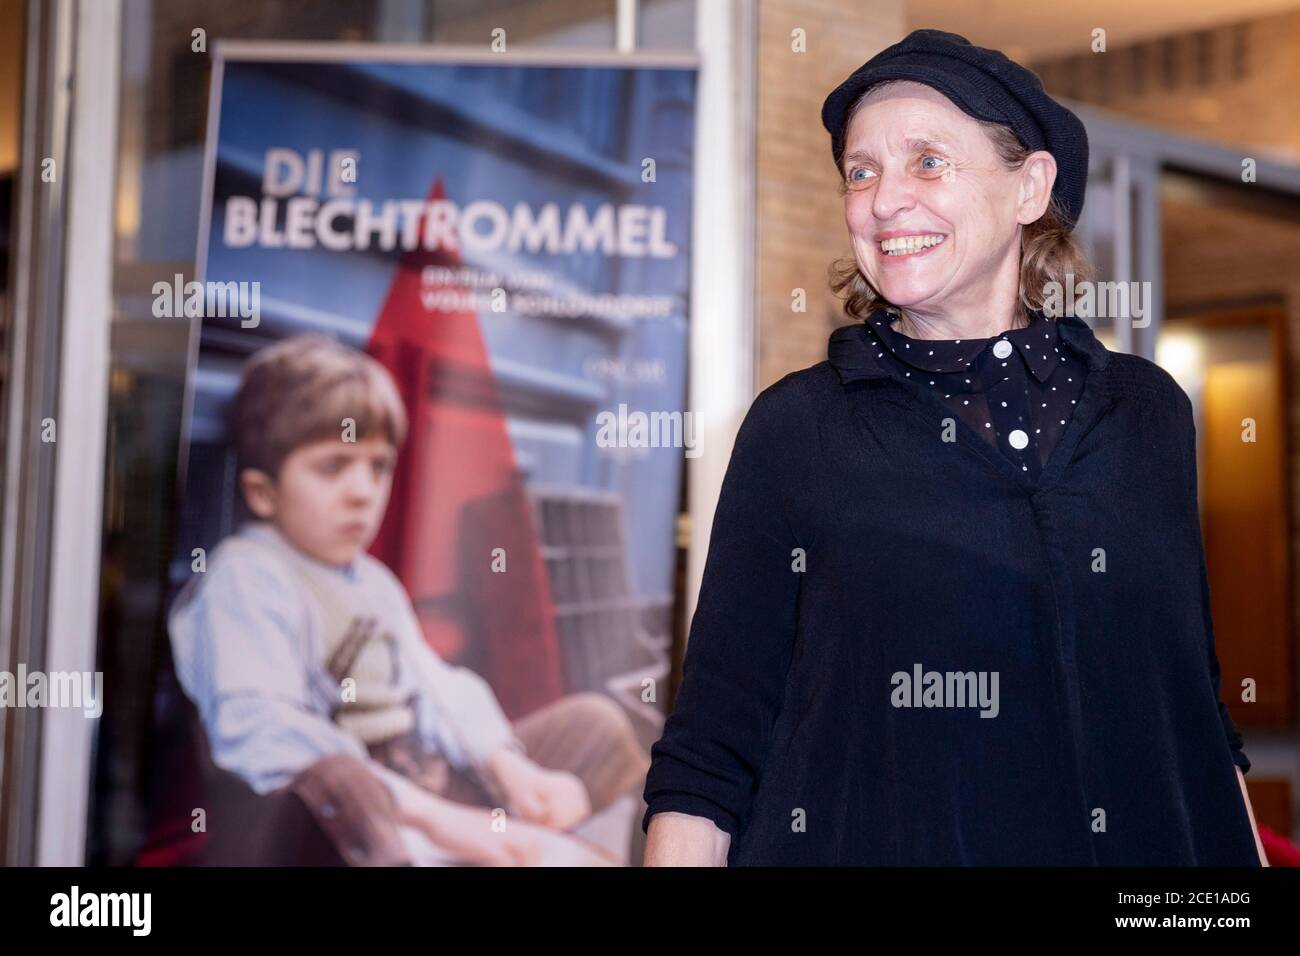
(909, 245)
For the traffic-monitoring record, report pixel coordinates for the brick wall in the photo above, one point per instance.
(1235, 84)
(800, 215)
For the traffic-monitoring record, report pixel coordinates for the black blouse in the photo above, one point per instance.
(913, 652)
(1017, 389)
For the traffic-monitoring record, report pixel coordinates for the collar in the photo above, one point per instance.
(853, 349)
(1037, 342)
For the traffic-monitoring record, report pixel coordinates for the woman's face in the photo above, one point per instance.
(924, 179)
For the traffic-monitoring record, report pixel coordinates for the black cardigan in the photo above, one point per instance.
(854, 552)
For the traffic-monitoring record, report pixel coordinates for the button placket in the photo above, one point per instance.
(1008, 397)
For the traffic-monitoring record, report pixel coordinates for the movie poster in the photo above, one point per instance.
(509, 240)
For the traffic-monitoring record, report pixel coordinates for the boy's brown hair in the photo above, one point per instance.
(300, 391)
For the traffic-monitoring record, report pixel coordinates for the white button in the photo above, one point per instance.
(1002, 349)
(1018, 439)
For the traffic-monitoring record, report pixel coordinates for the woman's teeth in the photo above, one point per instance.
(902, 245)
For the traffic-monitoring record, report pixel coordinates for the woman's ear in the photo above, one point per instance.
(259, 492)
(1037, 176)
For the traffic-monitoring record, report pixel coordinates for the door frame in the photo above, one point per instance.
(1125, 163)
(52, 501)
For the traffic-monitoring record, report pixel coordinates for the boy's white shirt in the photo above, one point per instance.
(247, 644)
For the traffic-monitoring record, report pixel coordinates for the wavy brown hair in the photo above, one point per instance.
(1048, 250)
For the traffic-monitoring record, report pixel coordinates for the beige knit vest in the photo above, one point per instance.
(360, 650)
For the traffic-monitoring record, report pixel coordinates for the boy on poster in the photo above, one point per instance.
(296, 646)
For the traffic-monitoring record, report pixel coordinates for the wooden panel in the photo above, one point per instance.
(1244, 506)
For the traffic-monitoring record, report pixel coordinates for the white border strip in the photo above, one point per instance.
(200, 264)
(625, 17)
(67, 734)
(722, 328)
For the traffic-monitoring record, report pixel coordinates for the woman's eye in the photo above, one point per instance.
(938, 162)
(859, 175)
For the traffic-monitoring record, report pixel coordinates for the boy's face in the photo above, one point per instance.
(329, 497)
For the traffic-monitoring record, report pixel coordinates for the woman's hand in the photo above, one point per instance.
(551, 798)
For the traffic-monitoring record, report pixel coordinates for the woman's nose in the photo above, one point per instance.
(894, 193)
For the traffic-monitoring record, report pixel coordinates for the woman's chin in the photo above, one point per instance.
(908, 294)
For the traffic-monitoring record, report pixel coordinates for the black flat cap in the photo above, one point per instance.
(984, 84)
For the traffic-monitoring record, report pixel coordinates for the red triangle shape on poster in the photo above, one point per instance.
(458, 495)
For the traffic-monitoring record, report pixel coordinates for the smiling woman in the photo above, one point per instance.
(967, 487)
(1048, 252)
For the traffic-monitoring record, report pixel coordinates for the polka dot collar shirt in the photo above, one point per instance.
(1016, 390)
